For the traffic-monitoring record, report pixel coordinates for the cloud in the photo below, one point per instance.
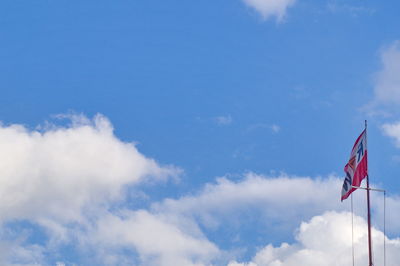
(336, 7)
(61, 177)
(301, 197)
(386, 84)
(392, 130)
(58, 172)
(13, 252)
(275, 128)
(272, 205)
(157, 240)
(175, 231)
(70, 186)
(387, 80)
(326, 240)
(178, 230)
(270, 8)
(223, 120)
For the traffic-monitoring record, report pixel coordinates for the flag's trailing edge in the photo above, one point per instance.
(357, 167)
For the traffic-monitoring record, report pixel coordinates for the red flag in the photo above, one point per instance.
(357, 167)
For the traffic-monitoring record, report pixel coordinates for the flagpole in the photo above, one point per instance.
(369, 210)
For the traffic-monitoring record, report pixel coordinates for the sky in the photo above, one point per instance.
(196, 132)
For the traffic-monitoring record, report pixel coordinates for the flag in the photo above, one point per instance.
(357, 167)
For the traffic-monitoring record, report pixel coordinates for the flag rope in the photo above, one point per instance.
(352, 229)
(372, 245)
(384, 228)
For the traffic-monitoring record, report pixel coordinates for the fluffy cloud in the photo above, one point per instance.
(14, 252)
(69, 185)
(392, 130)
(175, 230)
(387, 84)
(281, 202)
(326, 240)
(270, 8)
(58, 176)
(299, 197)
(58, 172)
(157, 240)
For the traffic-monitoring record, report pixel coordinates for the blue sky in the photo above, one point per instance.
(120, 117)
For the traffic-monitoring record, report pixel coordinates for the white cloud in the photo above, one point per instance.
(387, 83)
(278, 203)
(157, 240)
(270, 8)
(392, 130)
(275, 128)
(326, 240)
(58, 172)
(335, 7)
(69, 181)
(300, 197)
(15, 253)
(61, 176)
(66, 179)
(223, 120)
(175, 230)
